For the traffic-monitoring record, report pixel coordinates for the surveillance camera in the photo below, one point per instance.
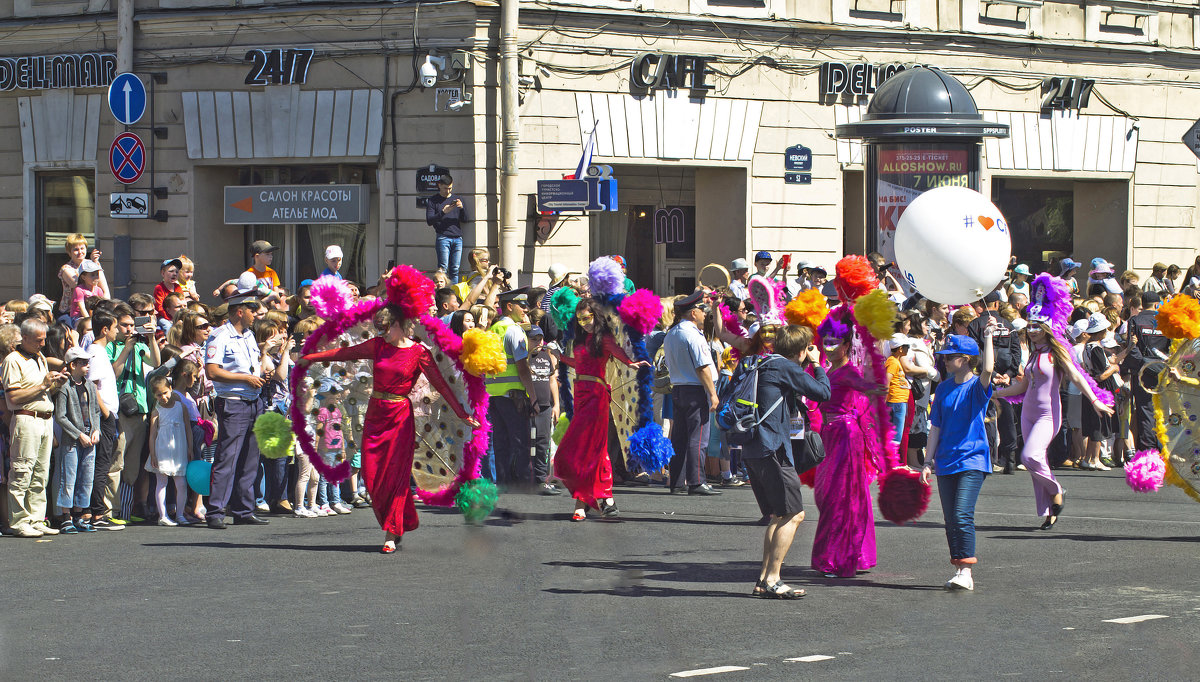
(457, 105)
(526, 81)
(429, 70)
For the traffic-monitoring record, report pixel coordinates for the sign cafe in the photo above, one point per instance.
(57, 71)
(653, 71)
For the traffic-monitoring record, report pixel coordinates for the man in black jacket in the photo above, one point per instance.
(773, 474)
(445, 213)
(1007, 347)
(1147, 345)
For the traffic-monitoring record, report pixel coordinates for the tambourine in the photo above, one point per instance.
(720, 269)
(1160, 370)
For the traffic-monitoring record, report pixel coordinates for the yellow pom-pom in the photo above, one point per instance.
(482, 353)
(1179, 318)
(808, 309)
(877, 313)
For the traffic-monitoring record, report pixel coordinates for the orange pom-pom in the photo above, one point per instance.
(808, 309)
(1179, 317)
(855, 277)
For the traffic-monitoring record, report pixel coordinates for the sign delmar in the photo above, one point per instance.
(306, 204)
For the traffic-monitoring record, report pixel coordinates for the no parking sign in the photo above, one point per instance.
(127, 158)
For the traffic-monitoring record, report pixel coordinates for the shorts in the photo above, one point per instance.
(1074, 415)
(1095, 425)
(776, 485)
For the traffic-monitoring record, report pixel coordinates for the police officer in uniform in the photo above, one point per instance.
(1147, 345)
(233, 362)
(508, 401)
(1007, 347)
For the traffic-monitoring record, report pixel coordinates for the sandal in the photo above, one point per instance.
(781, 591)
(389, 547)
(579, 515)
(760, 588)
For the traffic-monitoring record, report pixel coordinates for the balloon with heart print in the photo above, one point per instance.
(953, 245)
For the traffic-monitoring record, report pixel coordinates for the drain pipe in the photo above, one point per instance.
(510, 205)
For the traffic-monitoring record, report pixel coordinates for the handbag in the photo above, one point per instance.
(809, 450)
(128, 404)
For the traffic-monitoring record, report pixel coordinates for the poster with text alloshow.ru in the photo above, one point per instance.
(905, 174)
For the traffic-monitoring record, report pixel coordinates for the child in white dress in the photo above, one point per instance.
(170, 449)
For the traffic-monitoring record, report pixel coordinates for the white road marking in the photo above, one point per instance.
(809, 659)
(1135, 619)
(1068, 628)
(709, 671)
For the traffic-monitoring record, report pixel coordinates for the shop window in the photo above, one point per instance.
(1009, 17)
(877, 12)
(66, 204)
(1041, 217)
(1121, 22)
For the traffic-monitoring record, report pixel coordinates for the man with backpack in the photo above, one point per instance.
(693, 394)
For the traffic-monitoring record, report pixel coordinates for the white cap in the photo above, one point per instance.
(557, 272)
(333, 251)
(1096, 323)
(76, 353)
(897, 341)
(1079, 327)
(89, 265)
(1109, 341)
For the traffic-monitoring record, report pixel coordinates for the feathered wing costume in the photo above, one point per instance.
(1176, 406)
(457, 362)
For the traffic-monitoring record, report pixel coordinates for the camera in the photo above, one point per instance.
(428, 72)
(506, 274)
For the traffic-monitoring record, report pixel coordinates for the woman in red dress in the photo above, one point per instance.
(582, 460)
(388, 434)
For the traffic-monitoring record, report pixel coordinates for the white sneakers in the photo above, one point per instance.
(303, 512)
(341, 508)
(25, 530)
(45, 528)
(961, 580)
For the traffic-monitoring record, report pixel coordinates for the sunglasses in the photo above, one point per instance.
(206, 325)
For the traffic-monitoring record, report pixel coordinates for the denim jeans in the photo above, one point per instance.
(449, 253)
(328, 493)
(958, 493)
(76, 468)
(898, 411)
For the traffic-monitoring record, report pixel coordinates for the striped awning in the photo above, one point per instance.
(283, 122)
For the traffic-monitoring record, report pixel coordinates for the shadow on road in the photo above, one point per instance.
(1053, 535)
(373, 549)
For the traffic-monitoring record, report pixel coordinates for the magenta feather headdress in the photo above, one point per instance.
(1050, 303)
(641, 310)
(766, 299)
(331, 296)
(605, 277)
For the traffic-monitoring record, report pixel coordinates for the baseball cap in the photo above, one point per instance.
(333, 251)
(763, 255)
(1151, 297)
(171, 261)
(959, 344)
(89, 265)
(1096, 323)
(262, 246)
(1022, 269)
(897, 341)
(1109, 341)
(992, 297)
(535, 330)
(557, 272)
(76, 353)
(620, 261)
(1077, 328)
(245, 289)
(739, 264)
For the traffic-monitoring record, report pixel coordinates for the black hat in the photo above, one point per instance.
(692, 300)
(262, 246)
(1151, 297)
(515, 296)
(992, 297)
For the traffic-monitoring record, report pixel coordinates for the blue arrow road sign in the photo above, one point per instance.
(127, 98)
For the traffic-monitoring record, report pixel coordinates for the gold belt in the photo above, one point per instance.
(589, 377)
(380, 395)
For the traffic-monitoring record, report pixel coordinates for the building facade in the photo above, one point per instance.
(697, 106)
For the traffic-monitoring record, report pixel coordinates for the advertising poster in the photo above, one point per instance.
(906, 173)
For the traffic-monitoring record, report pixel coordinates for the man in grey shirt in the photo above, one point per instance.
(693, 393)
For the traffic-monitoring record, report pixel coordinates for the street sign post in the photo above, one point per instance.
(563, 195)
(797, 158)
(127, 98)
(129, 205)
(127, 158)
(1192, 138)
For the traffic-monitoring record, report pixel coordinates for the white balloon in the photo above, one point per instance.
(953, 245)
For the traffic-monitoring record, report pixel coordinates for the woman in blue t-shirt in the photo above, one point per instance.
(958, 445)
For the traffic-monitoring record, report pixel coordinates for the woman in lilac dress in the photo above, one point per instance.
(845, 538)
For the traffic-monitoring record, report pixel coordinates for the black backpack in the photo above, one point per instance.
(738, 413)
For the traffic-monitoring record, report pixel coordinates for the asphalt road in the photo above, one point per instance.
(530, 596)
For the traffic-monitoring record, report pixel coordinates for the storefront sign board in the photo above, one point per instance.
(57, 71)
(300, 204)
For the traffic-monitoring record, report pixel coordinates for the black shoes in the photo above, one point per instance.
(609, 509)
(251, 520)
(216, 523)
(703, 489)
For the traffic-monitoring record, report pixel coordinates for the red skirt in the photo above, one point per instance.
(387, 462)
(582, 459)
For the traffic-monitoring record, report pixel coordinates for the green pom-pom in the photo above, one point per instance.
(273, 431)
(560, 429)
(476, 499)
(562, 306)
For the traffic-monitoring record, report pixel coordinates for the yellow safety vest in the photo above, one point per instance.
(509, 379)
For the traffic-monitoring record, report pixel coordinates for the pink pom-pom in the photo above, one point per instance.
(410, 290)
(902, 496)
(641, 310)
(1146, 471)
(330, 297)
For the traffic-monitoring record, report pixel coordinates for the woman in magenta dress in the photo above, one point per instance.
(389, 432)
(845, 537)
(582, 460)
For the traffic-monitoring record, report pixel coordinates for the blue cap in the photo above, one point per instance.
(958, 344)
(306, 282)
(763, 255)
